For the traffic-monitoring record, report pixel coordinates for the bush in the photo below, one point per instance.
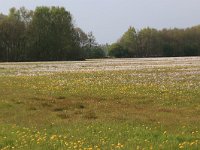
(116, 50)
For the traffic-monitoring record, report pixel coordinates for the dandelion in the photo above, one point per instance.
(181, 147)
(53, 137)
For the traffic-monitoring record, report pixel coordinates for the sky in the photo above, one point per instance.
(109, 19)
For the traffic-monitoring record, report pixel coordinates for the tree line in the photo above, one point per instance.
(45, 34)
(48, 34)
(149, 42)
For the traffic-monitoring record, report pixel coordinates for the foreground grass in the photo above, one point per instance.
(155, 108)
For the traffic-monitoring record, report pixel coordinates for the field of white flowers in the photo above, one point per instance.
(39, 68)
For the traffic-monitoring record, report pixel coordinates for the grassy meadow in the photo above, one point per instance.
(111, 104)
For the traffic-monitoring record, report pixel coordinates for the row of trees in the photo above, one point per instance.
(150, 42)
(48, 33)
(45, 34)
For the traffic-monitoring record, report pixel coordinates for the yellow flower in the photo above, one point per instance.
(181, 146)
(53, 137)
(192, 143)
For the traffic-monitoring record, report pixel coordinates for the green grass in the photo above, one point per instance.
(157, 108)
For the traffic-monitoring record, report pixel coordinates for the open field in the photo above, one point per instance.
(151, 103)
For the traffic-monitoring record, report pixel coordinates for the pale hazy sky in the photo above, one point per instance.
(109, 19)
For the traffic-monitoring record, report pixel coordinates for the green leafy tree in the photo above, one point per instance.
(149, 43)
(53, 35)
(12, 37)
(129, 41)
